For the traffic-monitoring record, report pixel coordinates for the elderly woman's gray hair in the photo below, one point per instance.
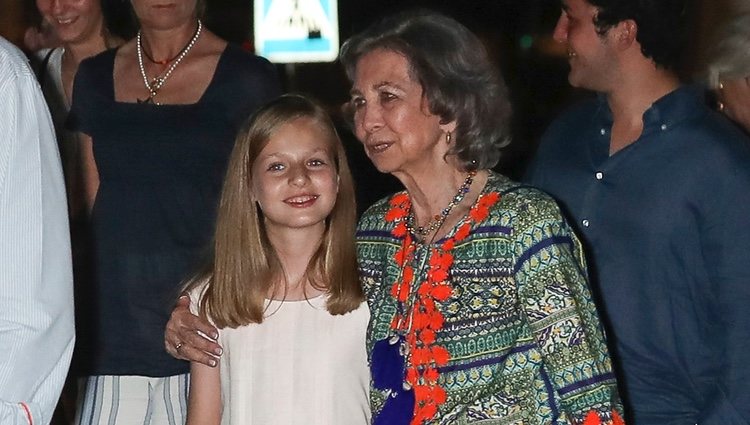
(730, 53)
(459, 81)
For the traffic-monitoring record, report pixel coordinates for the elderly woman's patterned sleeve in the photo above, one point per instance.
(375, 247)
(554, 294)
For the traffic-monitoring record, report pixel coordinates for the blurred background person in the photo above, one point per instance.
(158, 118)
(79, 27)
(728, 69)
(70, 31)
(668, 245)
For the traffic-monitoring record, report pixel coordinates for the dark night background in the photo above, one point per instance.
(517, 33)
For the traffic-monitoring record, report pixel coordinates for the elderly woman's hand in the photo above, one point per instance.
(187, 336)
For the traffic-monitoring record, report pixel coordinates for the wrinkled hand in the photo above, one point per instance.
(735, 95)
(184, 336)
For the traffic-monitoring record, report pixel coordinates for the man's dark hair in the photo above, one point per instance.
(662, 25)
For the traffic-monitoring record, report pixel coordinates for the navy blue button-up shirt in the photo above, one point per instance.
(666, 221)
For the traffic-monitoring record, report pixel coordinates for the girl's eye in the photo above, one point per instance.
(316, 162)
(276, 166)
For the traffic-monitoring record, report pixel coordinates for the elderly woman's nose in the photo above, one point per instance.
(371, 117)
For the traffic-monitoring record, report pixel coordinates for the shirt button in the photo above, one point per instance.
(599, 175)
(603, 131)
(663, 127)
(585, 223)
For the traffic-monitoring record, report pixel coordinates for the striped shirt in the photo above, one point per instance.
(36, 283)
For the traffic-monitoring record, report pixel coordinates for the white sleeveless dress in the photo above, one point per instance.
(301, 366)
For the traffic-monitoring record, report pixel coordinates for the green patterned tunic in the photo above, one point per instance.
(525, 342)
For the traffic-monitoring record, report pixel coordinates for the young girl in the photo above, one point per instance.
(283, 287)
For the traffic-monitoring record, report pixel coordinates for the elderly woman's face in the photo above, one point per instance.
(735, 96)
(164, 14)
(72, 20)
(391, 116)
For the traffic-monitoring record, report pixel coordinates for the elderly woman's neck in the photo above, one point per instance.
(434, 191)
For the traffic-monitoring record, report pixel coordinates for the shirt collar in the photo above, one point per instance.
(681, 104)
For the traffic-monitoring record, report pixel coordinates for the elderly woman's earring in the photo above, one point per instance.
(448, 138)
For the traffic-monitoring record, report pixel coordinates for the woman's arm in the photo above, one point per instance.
(89, 172)
(554, 293)
(204, 405)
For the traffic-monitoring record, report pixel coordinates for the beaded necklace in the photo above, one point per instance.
(158, 82)
(439, 219)
(419, 318)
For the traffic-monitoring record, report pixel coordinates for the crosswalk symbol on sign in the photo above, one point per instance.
(290, 31)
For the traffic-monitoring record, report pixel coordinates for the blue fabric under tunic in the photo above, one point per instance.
(161, 170)
(667, 223)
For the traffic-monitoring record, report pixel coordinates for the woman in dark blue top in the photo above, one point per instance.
(159, 116)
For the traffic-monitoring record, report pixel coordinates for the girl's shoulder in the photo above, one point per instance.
(196, 294)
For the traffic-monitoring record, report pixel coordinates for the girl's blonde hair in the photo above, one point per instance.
(244, 265)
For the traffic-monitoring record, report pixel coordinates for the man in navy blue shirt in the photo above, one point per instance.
(658, 186)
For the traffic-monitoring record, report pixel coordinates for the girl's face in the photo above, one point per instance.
(72, 20)
(295, 180)
(165, 14)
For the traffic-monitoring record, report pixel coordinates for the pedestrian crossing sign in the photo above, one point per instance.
(291, 31)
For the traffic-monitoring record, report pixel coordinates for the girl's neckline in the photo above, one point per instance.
(200, 100)
(304, 300)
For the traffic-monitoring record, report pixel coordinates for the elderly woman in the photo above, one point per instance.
(729, 69)
(480, 309)
(158, 117)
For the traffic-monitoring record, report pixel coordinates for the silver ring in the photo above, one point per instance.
(178, 346)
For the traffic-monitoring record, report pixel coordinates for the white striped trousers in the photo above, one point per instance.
(132, 400)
